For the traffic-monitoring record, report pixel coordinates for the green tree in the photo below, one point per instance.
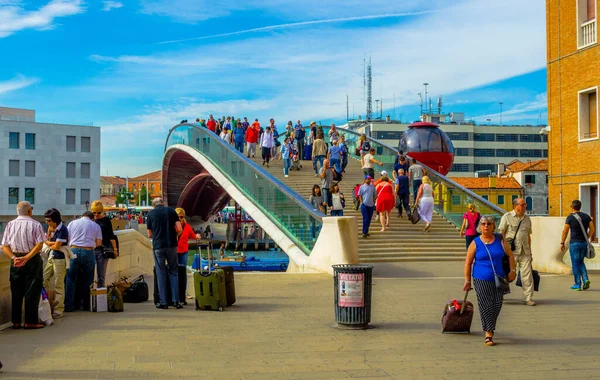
(121, 197)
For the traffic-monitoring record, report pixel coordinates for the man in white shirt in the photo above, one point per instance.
(369, 162)
(84, 235)
(266, 143)
(415, 175)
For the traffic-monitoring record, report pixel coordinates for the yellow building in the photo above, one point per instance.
(499, 191)
(573, 64)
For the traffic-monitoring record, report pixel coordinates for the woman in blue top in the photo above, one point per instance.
(335, 156)
(286, 154)
(487, 252)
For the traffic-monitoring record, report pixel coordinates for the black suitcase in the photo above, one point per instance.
(457, 316)
(181, 277)
(307, 152)
(229, 285)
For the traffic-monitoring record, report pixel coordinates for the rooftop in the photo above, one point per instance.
(152, 177)
(517, 166)
(113, 180)
(486, 182)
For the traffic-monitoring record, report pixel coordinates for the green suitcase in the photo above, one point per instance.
(210, 291)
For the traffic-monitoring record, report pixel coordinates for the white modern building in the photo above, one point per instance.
(49, 165)
(476, 147)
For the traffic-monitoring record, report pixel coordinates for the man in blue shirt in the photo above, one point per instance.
(245, 124)
(367, 195)
(403, 192)
(58, 236)
(238, 135)
(402, 163)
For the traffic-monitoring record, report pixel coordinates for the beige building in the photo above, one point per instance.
(110, 185)
(476, 147)
(533, 176)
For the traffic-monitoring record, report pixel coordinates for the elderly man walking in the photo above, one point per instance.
(84, 236)
(515, 227)
(23, 239)
(163, 228)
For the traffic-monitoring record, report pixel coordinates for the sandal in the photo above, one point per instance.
(489, 341)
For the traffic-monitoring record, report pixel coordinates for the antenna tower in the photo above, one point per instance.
(369, 90)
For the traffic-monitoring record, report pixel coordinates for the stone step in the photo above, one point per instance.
(405, 254)
(411, 259)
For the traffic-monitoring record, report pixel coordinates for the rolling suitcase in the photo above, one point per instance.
(457, 316)
(307, 152)
(229, 285)
(209, 288)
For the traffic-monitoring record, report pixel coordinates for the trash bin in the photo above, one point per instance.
(352, 285)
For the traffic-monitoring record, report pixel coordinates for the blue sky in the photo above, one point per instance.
(138, 67)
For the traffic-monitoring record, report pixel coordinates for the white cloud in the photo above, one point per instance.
(298, 24)
(16, 83)
(530, 112)
(110, 5)
(14, 17)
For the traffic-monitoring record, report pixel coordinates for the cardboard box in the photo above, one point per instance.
(99, 299)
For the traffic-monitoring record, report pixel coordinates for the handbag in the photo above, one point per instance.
(137, 292)
(108, 252)
(414, 216)
(590, 253)
(357, 152)
(502, 283)
(536, 280)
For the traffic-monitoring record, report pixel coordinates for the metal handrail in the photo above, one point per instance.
(435, 173)
(259, 170)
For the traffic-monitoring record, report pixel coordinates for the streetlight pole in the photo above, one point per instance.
(426, 84)
(501, 103)
(421, 103)
(376, 106)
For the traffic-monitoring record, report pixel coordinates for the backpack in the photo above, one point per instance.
(337, 176)
(366, 146)
(300, 134)
(344, 149)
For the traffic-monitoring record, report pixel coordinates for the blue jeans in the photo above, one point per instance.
(168, 256)
(240, 146)
(182, 258)
(416, 184)
(577, 250)
(83, 265)
(337, 212)
(367, 214)
(287, 162)
(344, 162)
(320, 160)
(337, 164)
(101, 266)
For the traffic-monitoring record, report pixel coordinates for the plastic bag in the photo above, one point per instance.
(44, 309)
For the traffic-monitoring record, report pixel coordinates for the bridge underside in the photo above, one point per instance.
(187, 184)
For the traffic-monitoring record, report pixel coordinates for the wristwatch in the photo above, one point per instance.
(14, 257)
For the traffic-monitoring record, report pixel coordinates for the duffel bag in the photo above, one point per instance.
(137, 292)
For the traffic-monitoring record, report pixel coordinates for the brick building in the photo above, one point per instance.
(110, 185)
(573, 65)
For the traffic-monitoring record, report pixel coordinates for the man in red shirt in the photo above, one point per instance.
(211, 124)
(252, 137)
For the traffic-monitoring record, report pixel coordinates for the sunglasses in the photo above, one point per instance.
(181, 217)
(485, 224)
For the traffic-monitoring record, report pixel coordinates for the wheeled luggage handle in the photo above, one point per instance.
(462, 307)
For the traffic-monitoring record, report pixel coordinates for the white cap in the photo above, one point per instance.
(383, 172)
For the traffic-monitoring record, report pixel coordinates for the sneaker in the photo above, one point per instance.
(576, 287)
(529, 303)
(377, 217)
(286, 176)
(56, 315)
(586, 285)
(365, 235)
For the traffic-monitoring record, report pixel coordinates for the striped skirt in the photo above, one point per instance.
(489, 300)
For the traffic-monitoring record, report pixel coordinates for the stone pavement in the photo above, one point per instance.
(280, 328)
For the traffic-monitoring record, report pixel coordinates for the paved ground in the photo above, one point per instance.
(280, 329)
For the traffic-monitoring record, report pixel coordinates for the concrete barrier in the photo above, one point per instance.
(545, 244)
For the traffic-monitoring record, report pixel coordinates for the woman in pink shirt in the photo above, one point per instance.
(469, 224)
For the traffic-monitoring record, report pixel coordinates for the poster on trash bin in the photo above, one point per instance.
(351, 289)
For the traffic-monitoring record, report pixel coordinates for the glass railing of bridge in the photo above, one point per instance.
(451, 199)
(291, 213)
